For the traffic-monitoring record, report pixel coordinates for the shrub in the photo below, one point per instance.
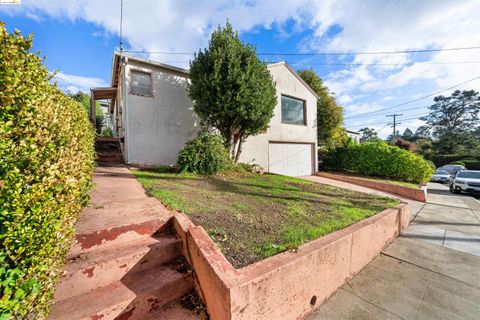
(379, 159)
(405, 145)
(46, 161)
(206, 154)
(107, 132)
(458, 162)
(471, 164)
(443, 159)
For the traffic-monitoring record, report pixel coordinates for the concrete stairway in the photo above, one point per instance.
(108, 150)
(125, 262)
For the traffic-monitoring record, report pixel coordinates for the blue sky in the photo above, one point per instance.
(79, 37)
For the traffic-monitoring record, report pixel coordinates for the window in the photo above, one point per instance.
(293, 111)
(140, 83)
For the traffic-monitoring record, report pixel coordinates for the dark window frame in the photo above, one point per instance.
(304, 110)
(149, 73)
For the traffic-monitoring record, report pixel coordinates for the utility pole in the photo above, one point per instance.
(394, 124)
(121, 26)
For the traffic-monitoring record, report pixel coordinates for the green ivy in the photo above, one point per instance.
(46, 162)
(379, 159)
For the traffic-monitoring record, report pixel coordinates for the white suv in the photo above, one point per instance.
(467, 181)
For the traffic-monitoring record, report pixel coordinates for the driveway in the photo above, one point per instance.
(430, 272)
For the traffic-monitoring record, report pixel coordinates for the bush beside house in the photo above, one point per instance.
(206, 154)
(379, 159)
(46, 162)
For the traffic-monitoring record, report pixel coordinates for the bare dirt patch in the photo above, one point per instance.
(252, 216)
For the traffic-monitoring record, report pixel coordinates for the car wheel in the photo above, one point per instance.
(453, 190)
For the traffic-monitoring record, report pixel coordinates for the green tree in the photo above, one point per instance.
(232, 89)
(422, 132)
(453, 120)
(368, 134)
(84, 100)
(407, 135)
(330, 131)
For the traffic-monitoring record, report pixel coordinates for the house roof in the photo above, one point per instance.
(285, 63)
(116, 64)
(185, 72)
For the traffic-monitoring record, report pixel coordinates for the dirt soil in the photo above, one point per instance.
(252, 216)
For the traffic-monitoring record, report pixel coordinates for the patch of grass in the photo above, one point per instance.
(240, 206)
(252, 216)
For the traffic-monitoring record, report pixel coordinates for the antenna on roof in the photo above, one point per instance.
(121, 23)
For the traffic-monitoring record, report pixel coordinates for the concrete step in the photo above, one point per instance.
(110, 157)
(107, 225)
(176, 311)
(134, 297)
(91, 270)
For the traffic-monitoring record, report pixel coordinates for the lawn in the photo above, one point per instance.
(253, 216)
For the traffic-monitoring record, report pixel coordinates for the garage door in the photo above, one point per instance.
(290, 159)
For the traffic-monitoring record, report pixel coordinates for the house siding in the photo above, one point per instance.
(156, 128)
(255, 148)
(159, 126)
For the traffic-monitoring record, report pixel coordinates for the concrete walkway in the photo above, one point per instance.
(430, 272)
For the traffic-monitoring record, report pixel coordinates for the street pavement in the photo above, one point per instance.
(432, 271)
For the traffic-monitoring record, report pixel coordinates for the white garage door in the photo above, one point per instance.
(290, 159)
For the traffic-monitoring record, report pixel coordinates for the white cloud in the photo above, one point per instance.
(373, 25)
(73, 83)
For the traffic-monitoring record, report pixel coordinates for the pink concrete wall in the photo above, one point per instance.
(411, 193)
(289, 285)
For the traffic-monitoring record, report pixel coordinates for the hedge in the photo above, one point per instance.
(46, 162)
(471, 164)
(443, 159)
(379, 159)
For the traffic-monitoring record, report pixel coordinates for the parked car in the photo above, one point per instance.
(452, 169)
(441, 176)
(466, 181)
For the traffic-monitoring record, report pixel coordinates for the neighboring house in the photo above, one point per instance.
(354, 135)
(153, 116)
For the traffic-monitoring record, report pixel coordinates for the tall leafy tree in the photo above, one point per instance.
(329, 114)
(453, 119)
(422, 132)
(407, 135)
(232, 89)
(368, 134)
(84, 100)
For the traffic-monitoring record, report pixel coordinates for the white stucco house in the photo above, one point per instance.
(153, 117)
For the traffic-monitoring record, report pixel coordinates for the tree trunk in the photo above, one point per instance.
(239, 150)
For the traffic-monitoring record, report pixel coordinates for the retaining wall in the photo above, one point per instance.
(411, 193)
(289, 285)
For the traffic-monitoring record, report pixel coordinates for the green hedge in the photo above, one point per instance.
(379, 159)
(443, 159)
(46, 162)
(471, 164)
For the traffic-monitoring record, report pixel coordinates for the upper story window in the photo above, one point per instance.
(141, 83)
(293, 111)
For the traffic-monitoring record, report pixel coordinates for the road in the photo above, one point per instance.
(430, 272)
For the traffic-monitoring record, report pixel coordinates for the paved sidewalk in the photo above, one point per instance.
(430, 272)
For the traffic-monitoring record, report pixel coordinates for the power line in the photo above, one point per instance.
(381, 64)
(324, 53)
(417, 99)
(388, 123)
(357, 64)
(394, 126)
